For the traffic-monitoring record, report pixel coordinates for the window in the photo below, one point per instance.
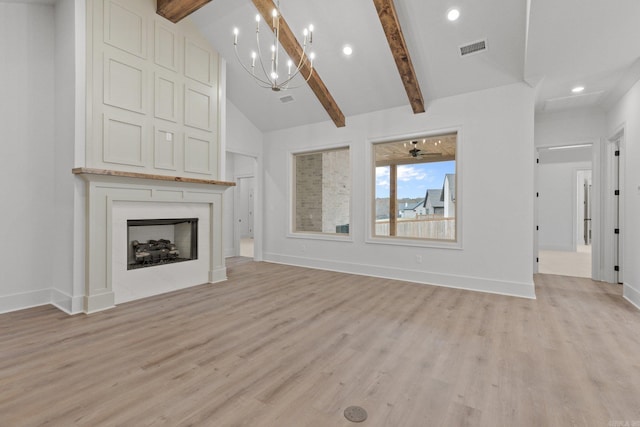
(415, 188)
(322, 192)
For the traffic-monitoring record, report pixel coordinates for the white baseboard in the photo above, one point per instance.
(229, 252)
(632, 295)
(501, 287)
(98, 302)
(24, 300)
(66, 303)
(218, 275)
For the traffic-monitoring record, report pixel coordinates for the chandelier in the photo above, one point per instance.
(269, 74)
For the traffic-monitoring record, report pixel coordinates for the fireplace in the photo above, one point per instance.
(114, 198)
(153, 242)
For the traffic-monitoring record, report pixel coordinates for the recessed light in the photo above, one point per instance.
(577, 89)
(453, 14)
(347, 50)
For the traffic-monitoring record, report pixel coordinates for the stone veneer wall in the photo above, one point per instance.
(323, 191)
(309, 192)
(336, 189)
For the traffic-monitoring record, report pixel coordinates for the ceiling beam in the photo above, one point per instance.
(175, 10)
(393, 31)
(294, 50)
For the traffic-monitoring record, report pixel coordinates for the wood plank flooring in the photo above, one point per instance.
(286, 346)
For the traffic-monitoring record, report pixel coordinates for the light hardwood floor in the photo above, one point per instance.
(565, 263)
(286, 346)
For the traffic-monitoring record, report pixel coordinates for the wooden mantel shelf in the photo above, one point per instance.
(89, 171)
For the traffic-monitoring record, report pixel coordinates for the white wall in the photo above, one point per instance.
(585, 125)
(626, 114)
(242, 136)
(495, 173)
(557, 205)
(27, 151)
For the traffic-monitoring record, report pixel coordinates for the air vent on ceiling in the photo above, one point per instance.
(286, 98)
(475, 47)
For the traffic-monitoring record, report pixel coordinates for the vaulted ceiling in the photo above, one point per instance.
(552, 45)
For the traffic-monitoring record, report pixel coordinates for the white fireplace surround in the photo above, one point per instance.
(110, 199)
(128, 285)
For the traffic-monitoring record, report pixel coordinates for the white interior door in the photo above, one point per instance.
(245, 213)
(583, 208)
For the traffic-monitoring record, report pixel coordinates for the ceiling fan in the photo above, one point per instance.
(417, 153)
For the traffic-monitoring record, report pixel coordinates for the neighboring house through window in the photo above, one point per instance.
(415, 188)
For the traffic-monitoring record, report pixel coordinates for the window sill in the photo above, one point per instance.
(415, 242)
(322, 236)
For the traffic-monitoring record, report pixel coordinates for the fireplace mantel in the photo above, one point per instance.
(108, 192)
(107, 172)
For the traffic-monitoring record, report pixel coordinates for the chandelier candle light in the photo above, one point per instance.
(271, 78)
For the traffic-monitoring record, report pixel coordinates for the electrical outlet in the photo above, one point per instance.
(419, 259)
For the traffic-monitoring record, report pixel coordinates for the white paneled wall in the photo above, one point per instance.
(153, 90)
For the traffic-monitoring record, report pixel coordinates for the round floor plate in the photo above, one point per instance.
(355, 414)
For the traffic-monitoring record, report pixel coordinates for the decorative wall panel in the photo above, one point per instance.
(125, 84)
(198, 107)
(199, 63)
(124, 141)
(197, 155)
(165, 148)
(148, 78)
(166, 98)
(166, 47)
(125, 28)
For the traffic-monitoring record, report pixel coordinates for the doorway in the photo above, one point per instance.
(242, 219)
(564, 226)
(245, 214)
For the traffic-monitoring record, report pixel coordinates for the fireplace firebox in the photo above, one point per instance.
(153, 242)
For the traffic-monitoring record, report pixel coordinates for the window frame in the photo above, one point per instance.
(371, 237)
(291, 196)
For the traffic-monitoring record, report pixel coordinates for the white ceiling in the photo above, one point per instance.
(569, 42)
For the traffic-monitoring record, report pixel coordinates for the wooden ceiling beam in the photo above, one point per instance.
(176, 10)
(393, 31)
(294, 50)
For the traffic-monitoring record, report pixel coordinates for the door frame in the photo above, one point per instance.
(611, 248)
(257, 206)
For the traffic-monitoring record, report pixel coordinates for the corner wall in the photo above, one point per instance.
(68, 267)
(495, 172)
(27, 127)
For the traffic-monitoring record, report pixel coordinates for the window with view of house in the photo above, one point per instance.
(415, 188)
(322, 192)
